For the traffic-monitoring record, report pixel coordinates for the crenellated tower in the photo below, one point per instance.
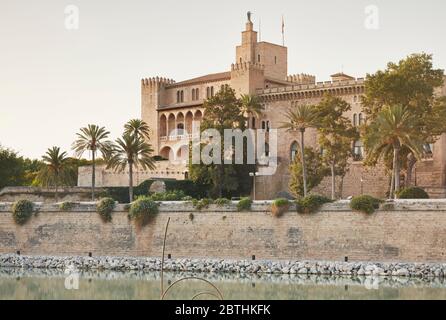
(152, 98)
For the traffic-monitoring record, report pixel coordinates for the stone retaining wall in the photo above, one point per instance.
(407, 231)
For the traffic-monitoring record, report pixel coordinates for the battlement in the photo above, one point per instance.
(156, 82)
(244, 66)
(301, 78)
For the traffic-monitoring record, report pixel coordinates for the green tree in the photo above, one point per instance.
(225, 111)
(300, 119)
(56, 171)
(335, 136)
(127, 152)
(316, 171)
(138, 127)
(393, 128)
(92, 139)
(410, 83)
(12, 169)
(251, 105)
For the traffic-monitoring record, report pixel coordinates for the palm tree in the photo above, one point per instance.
(393, 129)
(139, 128)
(300, 119)
(129, 151)
(93, 139)
(251, 105)
(56, 170)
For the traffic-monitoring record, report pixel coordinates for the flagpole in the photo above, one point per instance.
(283, 32)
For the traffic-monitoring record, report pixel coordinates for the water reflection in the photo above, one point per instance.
(50, 284)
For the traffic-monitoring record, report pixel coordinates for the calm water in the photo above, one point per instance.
(45, 284)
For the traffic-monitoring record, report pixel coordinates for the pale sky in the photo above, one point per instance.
(54, 80)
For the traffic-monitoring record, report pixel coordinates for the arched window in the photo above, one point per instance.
(258, 58)
(253, 123)
(267, 126)
(193, 94)
(263, 125)
(360, 119)
(212, 91)
(197, 94)
(208, 93)
(275, 60)
(293, 151)
(182, 96)
(178, 96)
(241, 60)
(355, 122)
(358, 151)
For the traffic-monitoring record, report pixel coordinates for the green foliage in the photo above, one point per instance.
(413, 193)
(191, 216)
(202, 204)
(222, 202)
(244, 204)
(142, 210)
(281, 202)
(316, 171)
(175, 195)
(22, 211)
(311, 203)
(105, 208)
(187, 199)
(66, 206)
(365, 203)
(225, 111)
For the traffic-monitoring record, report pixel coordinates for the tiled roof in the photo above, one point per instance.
(207, 78)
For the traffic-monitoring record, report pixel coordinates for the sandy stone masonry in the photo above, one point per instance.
(403, 231)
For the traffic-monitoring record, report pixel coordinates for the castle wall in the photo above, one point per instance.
(408, 231)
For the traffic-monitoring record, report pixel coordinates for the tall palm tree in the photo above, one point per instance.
(394, 128)
(56, 170)
(139, 128)
(130, 151)
(92, 139)
(300, 119)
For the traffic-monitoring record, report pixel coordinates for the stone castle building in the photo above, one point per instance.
(261, 68)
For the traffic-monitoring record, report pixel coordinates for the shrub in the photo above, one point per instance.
(105, 207)
(280, 206)
(413, 193)
(174, 195)
(244, 204)
(191, 216)
(222, 202)
(187, 199)
(22, 211)
(142, 210)
(66, 206)
(202, 204)
(311, 203)
(366, 204)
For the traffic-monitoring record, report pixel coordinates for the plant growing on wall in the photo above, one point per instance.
(311, 203)
(365, 203)
(220, 202)
(66, 206)
(22, 211)
(142, 210)
(105, 207)
(202, 204)
(280, 206)
(244, 204)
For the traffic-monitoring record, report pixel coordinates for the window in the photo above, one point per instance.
(355, 122)
(428, 150)
(258, 58)
(208, 93)
(267, 126)
(182, 96)
(293, 150)
(178, 96)
(360, 119)
(197, 94)
(275, 60)
(263, 125)
(212, 91)
(253, 123)
(358, 151)
(193, 94)
(355, 98)
(241, 60)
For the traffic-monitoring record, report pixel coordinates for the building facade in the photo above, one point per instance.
(172, 109)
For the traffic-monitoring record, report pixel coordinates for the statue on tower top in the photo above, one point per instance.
(249, 14)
